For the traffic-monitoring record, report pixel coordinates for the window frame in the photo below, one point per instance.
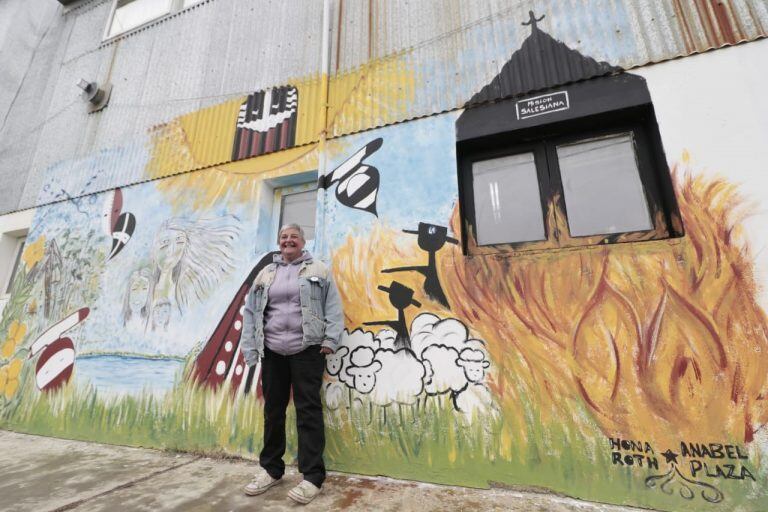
(277, 205)
(16, 261)
(539, 156)
(174, 7)
(652, 170)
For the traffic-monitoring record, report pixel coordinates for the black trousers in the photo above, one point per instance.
(304, 373)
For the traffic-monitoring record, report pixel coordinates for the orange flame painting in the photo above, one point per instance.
(660, 340)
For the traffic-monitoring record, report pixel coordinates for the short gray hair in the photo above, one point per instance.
(292, 225)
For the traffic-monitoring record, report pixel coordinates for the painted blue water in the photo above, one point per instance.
(126, 375)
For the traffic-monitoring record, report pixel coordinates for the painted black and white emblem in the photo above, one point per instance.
(266, 122)
(358, 183)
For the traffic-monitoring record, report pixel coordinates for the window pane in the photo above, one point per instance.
(602, 187)
(132, 13)
(300, 209)
(507, 200)
(19, 251)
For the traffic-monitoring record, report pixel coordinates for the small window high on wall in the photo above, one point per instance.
(17, 251)
(583, 174)
(130, 14)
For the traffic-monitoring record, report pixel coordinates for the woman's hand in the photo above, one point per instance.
(326, 350)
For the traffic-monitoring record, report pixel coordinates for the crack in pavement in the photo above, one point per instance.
(126, 485)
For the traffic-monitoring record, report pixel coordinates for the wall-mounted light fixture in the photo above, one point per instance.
(97, 97)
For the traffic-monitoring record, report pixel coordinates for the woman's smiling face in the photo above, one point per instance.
(291, 244)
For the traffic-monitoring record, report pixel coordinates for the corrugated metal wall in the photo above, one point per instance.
(391, 60)
(454, 47)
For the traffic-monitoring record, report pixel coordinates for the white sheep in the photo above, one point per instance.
(361, 372)
(348, 344)
(335, 395)
(428, 329)
(400, 379)
(474, 363)
(475, 401)
(335, 362)
(386, 339)
(447, 375)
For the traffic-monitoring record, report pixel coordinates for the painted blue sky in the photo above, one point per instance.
(417, 169)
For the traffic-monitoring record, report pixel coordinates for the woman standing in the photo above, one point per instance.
(292, 318)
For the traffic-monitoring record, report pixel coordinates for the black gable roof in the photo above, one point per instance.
(541, 62)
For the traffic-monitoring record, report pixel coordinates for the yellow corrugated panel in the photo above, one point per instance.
(209, 132)
(310, 113)
(372, 95)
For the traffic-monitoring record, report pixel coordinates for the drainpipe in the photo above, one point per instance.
(321, 242)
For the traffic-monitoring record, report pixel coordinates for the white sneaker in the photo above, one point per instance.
(261, 482)
(304, 492)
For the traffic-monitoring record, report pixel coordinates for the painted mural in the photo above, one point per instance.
(629, 373)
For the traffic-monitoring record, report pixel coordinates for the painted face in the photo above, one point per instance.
(474, 371)
(169, 247)
(161, 314)
(137, 295)
(333, 364)
(291, 244)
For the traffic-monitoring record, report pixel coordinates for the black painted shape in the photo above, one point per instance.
(431, 239)
(400, 296)
(687, 487)
(348, 175)
(541, 62)
(280, 111)
(124, 227)
(533, 20)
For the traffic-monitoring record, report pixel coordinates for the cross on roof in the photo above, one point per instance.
(533, 20)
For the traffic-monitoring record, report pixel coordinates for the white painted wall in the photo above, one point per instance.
(715, 106)
(12, 226)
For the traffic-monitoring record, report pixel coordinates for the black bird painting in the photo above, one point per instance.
(358, 183)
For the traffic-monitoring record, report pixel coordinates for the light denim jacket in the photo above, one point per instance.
(322, 318)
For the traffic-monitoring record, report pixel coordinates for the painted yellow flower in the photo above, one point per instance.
(10, 388)
(33, 252)
(9, 378)
(14, 369)
(16, 332)
(8, 347)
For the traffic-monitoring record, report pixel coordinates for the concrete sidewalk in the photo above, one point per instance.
(45, 474)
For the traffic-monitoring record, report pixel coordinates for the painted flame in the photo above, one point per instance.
(662, 340)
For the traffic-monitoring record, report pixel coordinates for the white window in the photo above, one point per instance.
(297, 205)
(568, 189)
(130, 14)
(13, 233)
(507, 200)
(18, 250)
(602, 187)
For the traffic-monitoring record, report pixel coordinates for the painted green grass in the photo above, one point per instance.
(432, 443)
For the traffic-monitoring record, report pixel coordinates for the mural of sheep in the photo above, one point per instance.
(444, 361)
(363, 370)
